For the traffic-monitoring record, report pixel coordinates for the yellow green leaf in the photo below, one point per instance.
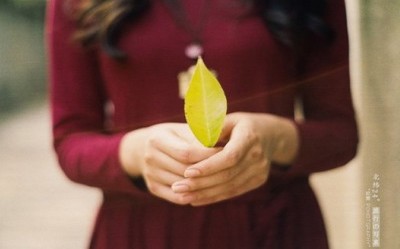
(205, 105)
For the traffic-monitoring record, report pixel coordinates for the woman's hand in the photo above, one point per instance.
(254, 140)
(161, 154)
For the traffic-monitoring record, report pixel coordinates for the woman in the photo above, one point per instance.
(118, 119)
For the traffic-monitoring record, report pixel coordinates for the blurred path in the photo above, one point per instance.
(39, 206)
(340, 196)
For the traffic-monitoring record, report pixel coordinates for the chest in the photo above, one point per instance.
(236, 44)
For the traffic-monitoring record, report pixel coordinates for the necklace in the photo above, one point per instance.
(195, 48)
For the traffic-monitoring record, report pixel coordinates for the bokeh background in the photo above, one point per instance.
(40, 208)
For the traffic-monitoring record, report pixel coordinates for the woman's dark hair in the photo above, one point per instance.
(296, 22)
(99, 21)
(292, 22)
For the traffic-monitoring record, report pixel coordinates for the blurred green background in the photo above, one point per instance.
(22, 57)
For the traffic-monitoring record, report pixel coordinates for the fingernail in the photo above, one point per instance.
(179, 188)
(192, 173)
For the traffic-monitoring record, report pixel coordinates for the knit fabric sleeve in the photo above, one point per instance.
(87, 151)
(328, 133)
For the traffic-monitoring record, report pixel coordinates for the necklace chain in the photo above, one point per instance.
(195, 48)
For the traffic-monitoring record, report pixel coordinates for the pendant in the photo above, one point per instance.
(194, 50)
(184, 81)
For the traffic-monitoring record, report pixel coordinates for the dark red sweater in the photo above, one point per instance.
(257, 75)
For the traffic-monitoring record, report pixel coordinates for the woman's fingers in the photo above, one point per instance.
(242, 183)
(155, 159)
(178, 142)
(164, 192)
(241, 141)
(161, 176)
(240, 167)
(250, 173)
(223, 182)
(169, 149)
(195, 184)
(225, 159)
(214, 195)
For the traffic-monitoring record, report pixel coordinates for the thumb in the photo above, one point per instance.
(229, 124)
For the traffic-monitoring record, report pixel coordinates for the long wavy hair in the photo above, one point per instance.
(292, 22)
